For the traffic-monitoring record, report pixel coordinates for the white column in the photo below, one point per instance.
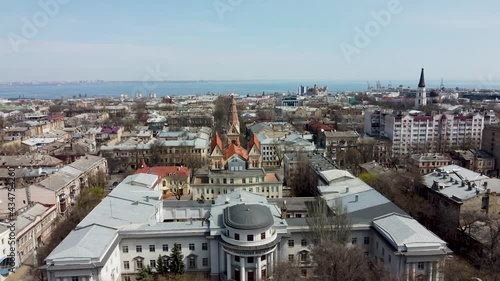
(221, 259)
(407, 271)
(270, 265)
(228, 266)
(242, 269)
(429, 270)
(258, 270)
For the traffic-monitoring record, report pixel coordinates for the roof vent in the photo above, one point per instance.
(356, 198)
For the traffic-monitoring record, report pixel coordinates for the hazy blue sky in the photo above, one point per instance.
(248, 39)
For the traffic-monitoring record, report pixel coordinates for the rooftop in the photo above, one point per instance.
(459, 183)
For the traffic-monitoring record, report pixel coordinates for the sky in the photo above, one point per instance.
(58, 40)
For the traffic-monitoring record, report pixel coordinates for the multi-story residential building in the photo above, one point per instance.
(412, 132)
(459, 198)
(33, 227)
(167, 151)
(316, 161)
(6, 250)
(489, 143)
(62, 187)
(239, 236)
(427, 162)
(476, 160)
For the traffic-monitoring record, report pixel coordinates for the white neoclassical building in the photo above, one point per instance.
(238, 236)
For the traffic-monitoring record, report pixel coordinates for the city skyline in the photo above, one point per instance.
(57, 40)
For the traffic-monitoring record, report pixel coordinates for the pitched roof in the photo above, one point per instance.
(235, 149)
(253, 141)
(216, 141)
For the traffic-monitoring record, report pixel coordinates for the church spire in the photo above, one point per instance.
(421, 83)
(233, 130)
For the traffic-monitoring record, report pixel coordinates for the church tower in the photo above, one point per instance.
(233, 129)
(421, 98)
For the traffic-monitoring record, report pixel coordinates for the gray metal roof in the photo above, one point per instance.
(248, 216)
(406, 234)
(90, 242)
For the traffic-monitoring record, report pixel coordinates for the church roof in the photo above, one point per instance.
(235, 149)
(216, 141)
(421, 83)
(253, 141)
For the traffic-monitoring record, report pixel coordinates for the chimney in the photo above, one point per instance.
(347, 190)
(283, 210)
(356, 197)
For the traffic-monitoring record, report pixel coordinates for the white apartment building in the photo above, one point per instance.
(413, 133)
(5, 251)
(239, 236)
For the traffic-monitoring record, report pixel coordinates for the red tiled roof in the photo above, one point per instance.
(235, 149)
(253, 141)
(216, 141)
(164, 171)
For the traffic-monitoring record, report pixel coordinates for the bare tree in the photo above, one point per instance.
(329, 223)
(336, 262)
(286, 271)
(304, 181)
(194, 163)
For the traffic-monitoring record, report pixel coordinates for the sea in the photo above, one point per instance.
(176, 88)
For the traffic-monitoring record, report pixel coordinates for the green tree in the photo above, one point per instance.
(161, 267)
(145, 274)
(176, 264)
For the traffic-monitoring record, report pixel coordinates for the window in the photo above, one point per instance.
(204, 246)
(139, 263)
(303, 256)
(263, 235)
(125, 249)
(236, 236)
(126, 278)
(263, 258)
(250, 260)
(290, 258)
(354, 240)
(204, 262)
(390, 258)
(151, 248)
(303, 243)
(191, 247)
(192, 262)
(367, 240)
(303, 272)
(291, 243)
(152, 263)
(126, 265)
(75, 278)
(420, 266)
(165, 247)
(250, 237)
(138, 248)
(236, 258)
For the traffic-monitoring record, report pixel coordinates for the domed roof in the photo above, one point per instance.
(248, 216)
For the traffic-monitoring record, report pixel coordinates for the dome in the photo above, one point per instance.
(248, 217)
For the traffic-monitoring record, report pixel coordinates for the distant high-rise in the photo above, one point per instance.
(301, 90)
(421, 99)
